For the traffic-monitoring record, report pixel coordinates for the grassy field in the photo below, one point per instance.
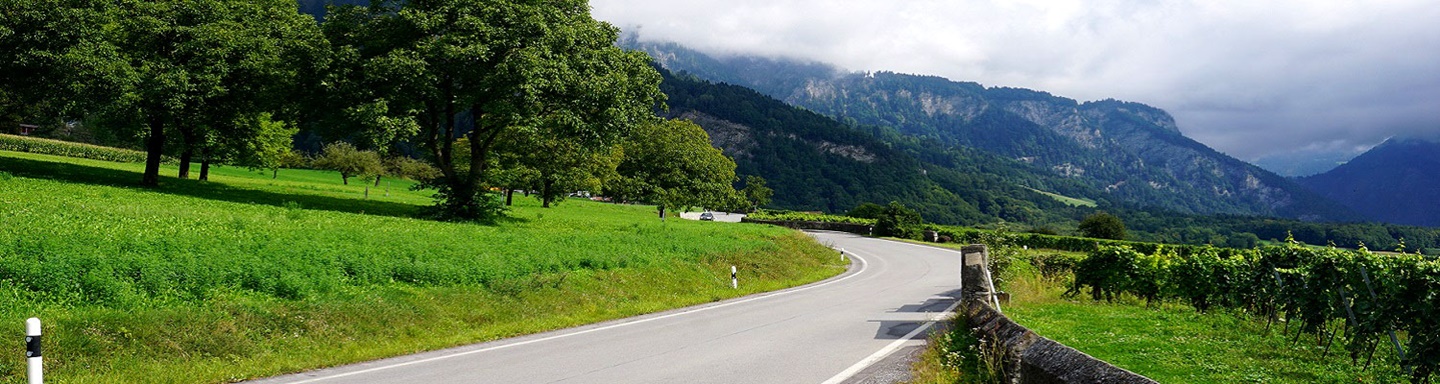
(245, 276)
(1170, 343)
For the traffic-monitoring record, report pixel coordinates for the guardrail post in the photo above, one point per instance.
(32, 351)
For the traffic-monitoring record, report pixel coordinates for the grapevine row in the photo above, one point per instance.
(1370, 298)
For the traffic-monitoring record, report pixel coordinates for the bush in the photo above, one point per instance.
(867, 211)
(897, 221)
(1053, 265)
(412, 169)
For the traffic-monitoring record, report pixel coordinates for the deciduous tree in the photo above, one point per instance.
(480, 69)
(756, 193)
(1102, 225)
(671, 164)
(344, 158)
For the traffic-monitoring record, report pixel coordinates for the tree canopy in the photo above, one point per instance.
(1103, 225)
(671, 164)
(478, 70)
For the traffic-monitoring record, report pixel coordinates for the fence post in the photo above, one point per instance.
(32, 351)
(975, 277)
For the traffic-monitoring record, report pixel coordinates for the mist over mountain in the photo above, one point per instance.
(1131, 153)
(1394, 182)
(1304, 163)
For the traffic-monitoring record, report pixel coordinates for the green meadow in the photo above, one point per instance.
(245, 276)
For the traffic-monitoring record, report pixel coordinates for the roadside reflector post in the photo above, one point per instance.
(734, 282)
(842, 254)
(32, 350)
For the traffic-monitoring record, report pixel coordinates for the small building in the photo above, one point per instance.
(27, 129)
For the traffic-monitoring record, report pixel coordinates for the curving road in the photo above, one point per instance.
(825, 332)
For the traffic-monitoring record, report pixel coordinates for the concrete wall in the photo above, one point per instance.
(1027, 358)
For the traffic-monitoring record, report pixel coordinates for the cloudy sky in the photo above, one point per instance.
(1249, 78)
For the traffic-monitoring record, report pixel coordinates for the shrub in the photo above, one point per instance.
(897, 221)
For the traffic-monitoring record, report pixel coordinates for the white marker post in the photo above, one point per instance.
(734, 282)
(842, 254)
(32, 350)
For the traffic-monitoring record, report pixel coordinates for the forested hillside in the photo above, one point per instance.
(1394, 182)
(816, 163)
(1135, 154)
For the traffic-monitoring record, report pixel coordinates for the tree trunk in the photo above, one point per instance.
(377, 180)
(153, 148)
(185, 163)
(274, 173)
(509, 196)
(205, 169)
(462, 201)
(546, 193)
(344, 178)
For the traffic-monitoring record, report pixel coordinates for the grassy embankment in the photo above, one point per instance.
(245, 276)
(1170, 343)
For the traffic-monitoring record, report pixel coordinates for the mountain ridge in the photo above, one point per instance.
(1133, 153)
(1388, 183)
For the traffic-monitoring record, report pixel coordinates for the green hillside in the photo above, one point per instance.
(816, 163)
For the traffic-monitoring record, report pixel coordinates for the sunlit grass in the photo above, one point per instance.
(246, 276)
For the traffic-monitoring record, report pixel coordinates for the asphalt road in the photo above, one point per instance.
(820, 333)
(719, 216)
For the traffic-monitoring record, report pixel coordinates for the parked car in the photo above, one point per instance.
(707, 216)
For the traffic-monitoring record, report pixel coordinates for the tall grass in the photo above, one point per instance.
(246, 276)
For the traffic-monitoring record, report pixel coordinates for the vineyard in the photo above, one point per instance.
(1357, 301)
(808, 217)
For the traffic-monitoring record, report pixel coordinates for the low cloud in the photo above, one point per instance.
(1248, 78)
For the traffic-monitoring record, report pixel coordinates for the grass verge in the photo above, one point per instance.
(1171, 343)
(246, 276)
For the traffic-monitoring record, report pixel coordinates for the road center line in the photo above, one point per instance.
(858, 272)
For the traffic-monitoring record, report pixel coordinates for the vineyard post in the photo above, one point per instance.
(1349, 312)
(1281, 284)
(1393, 340)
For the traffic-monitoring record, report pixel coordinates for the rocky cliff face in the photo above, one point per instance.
(1132, 152)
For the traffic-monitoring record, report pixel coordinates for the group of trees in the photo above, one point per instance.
(491, 94)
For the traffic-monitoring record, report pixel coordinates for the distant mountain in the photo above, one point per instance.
(1132, 153)
(816, 163)
(1304, 163)
(1394, 182)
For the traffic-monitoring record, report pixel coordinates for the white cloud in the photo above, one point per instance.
(1246, 77)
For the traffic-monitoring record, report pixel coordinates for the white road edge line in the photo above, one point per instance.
(883, 352)
(862, 261)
